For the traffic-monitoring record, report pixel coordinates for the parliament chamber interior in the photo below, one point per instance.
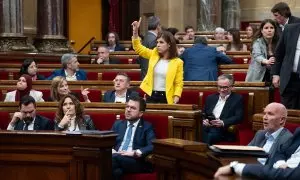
(149, 89)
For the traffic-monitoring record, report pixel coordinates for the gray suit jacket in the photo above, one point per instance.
(256, 71)
(260, 140)
(149, 42)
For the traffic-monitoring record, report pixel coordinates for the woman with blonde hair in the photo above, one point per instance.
(70, 115)
(59, 88)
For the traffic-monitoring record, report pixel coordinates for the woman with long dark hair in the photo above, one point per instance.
(235, 44)
(29, 67)
(263, 49)
(164, 80)
(70, 115)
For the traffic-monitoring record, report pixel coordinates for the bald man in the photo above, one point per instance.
(281, 169)
(274, 133)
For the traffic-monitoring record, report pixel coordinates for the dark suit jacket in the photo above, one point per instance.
(292, 20)
(80, 74)
(149, 42)
(260, 140)
(119, 47)
(40, 123)
(201, 63)
(285, 152)
(109, 96)
(232, 113)
(285, 53)
(143, 136)
(88, 124)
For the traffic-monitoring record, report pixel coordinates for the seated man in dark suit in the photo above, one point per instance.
(285, 164)
(27, 119)
(103, 56)
(224, 108)
(70, 69)
(121, 93)
(274, 133)
(134, 141)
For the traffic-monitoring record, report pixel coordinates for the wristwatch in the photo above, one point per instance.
(232, 165)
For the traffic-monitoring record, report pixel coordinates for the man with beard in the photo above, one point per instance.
(70, 69)
(27, 119)
(134, 141)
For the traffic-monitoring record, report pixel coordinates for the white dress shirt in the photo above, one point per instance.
(120, 99)
(160, 73)
(70, 78)
(271, 139)
(292, 162)
(219, 106)
(30, 126)
(297, 55)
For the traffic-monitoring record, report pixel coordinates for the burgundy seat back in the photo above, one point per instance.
(94, 95)
(4, 75)
(92, 75)
(189, 97)
(5, 119)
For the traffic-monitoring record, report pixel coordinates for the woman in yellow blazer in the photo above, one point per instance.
(164, 80)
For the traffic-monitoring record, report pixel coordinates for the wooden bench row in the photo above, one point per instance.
(191, 91)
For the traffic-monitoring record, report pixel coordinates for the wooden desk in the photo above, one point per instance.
(55, 155)
(177, 159)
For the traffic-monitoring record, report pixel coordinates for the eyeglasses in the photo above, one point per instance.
(224, 87)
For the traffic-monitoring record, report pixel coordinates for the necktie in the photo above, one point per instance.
(128, 138)
(298, 67)
(26, 126)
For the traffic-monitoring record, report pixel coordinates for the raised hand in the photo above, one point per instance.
(85, 93)
(135, 27)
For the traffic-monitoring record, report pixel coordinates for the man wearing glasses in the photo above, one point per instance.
(27, 119)
(222, 110)
(121, 93)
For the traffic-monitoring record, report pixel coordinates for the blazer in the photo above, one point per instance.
(268, 172)
(292, 20)
(201, 63)
(285, 53)
(149, 41)
(119, 47)
(40, 123)
(256, 70)
(260, 140)
(80, 74)
(143, 137)
(233, 111)
(37, 95)
(174, 77)
(88, 124)
(109, 96)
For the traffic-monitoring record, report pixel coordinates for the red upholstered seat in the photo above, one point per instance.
(239, 76)
(103, 121)
(92, 75)
(126, 61)
(291, 126)
(240, 60)
(134, 75)
(277, 97)
(48, 114)
(5, 119)
(3, 75)
(46, 93)
(94, 95)
(189, 97)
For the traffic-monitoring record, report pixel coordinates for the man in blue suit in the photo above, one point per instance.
(134, 140)
(122, 92)
(201, 61)
(70, 69)
(285, 164)
(225, 109)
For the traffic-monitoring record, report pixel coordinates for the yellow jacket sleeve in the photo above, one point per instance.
(140, 49)
(178, 83)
